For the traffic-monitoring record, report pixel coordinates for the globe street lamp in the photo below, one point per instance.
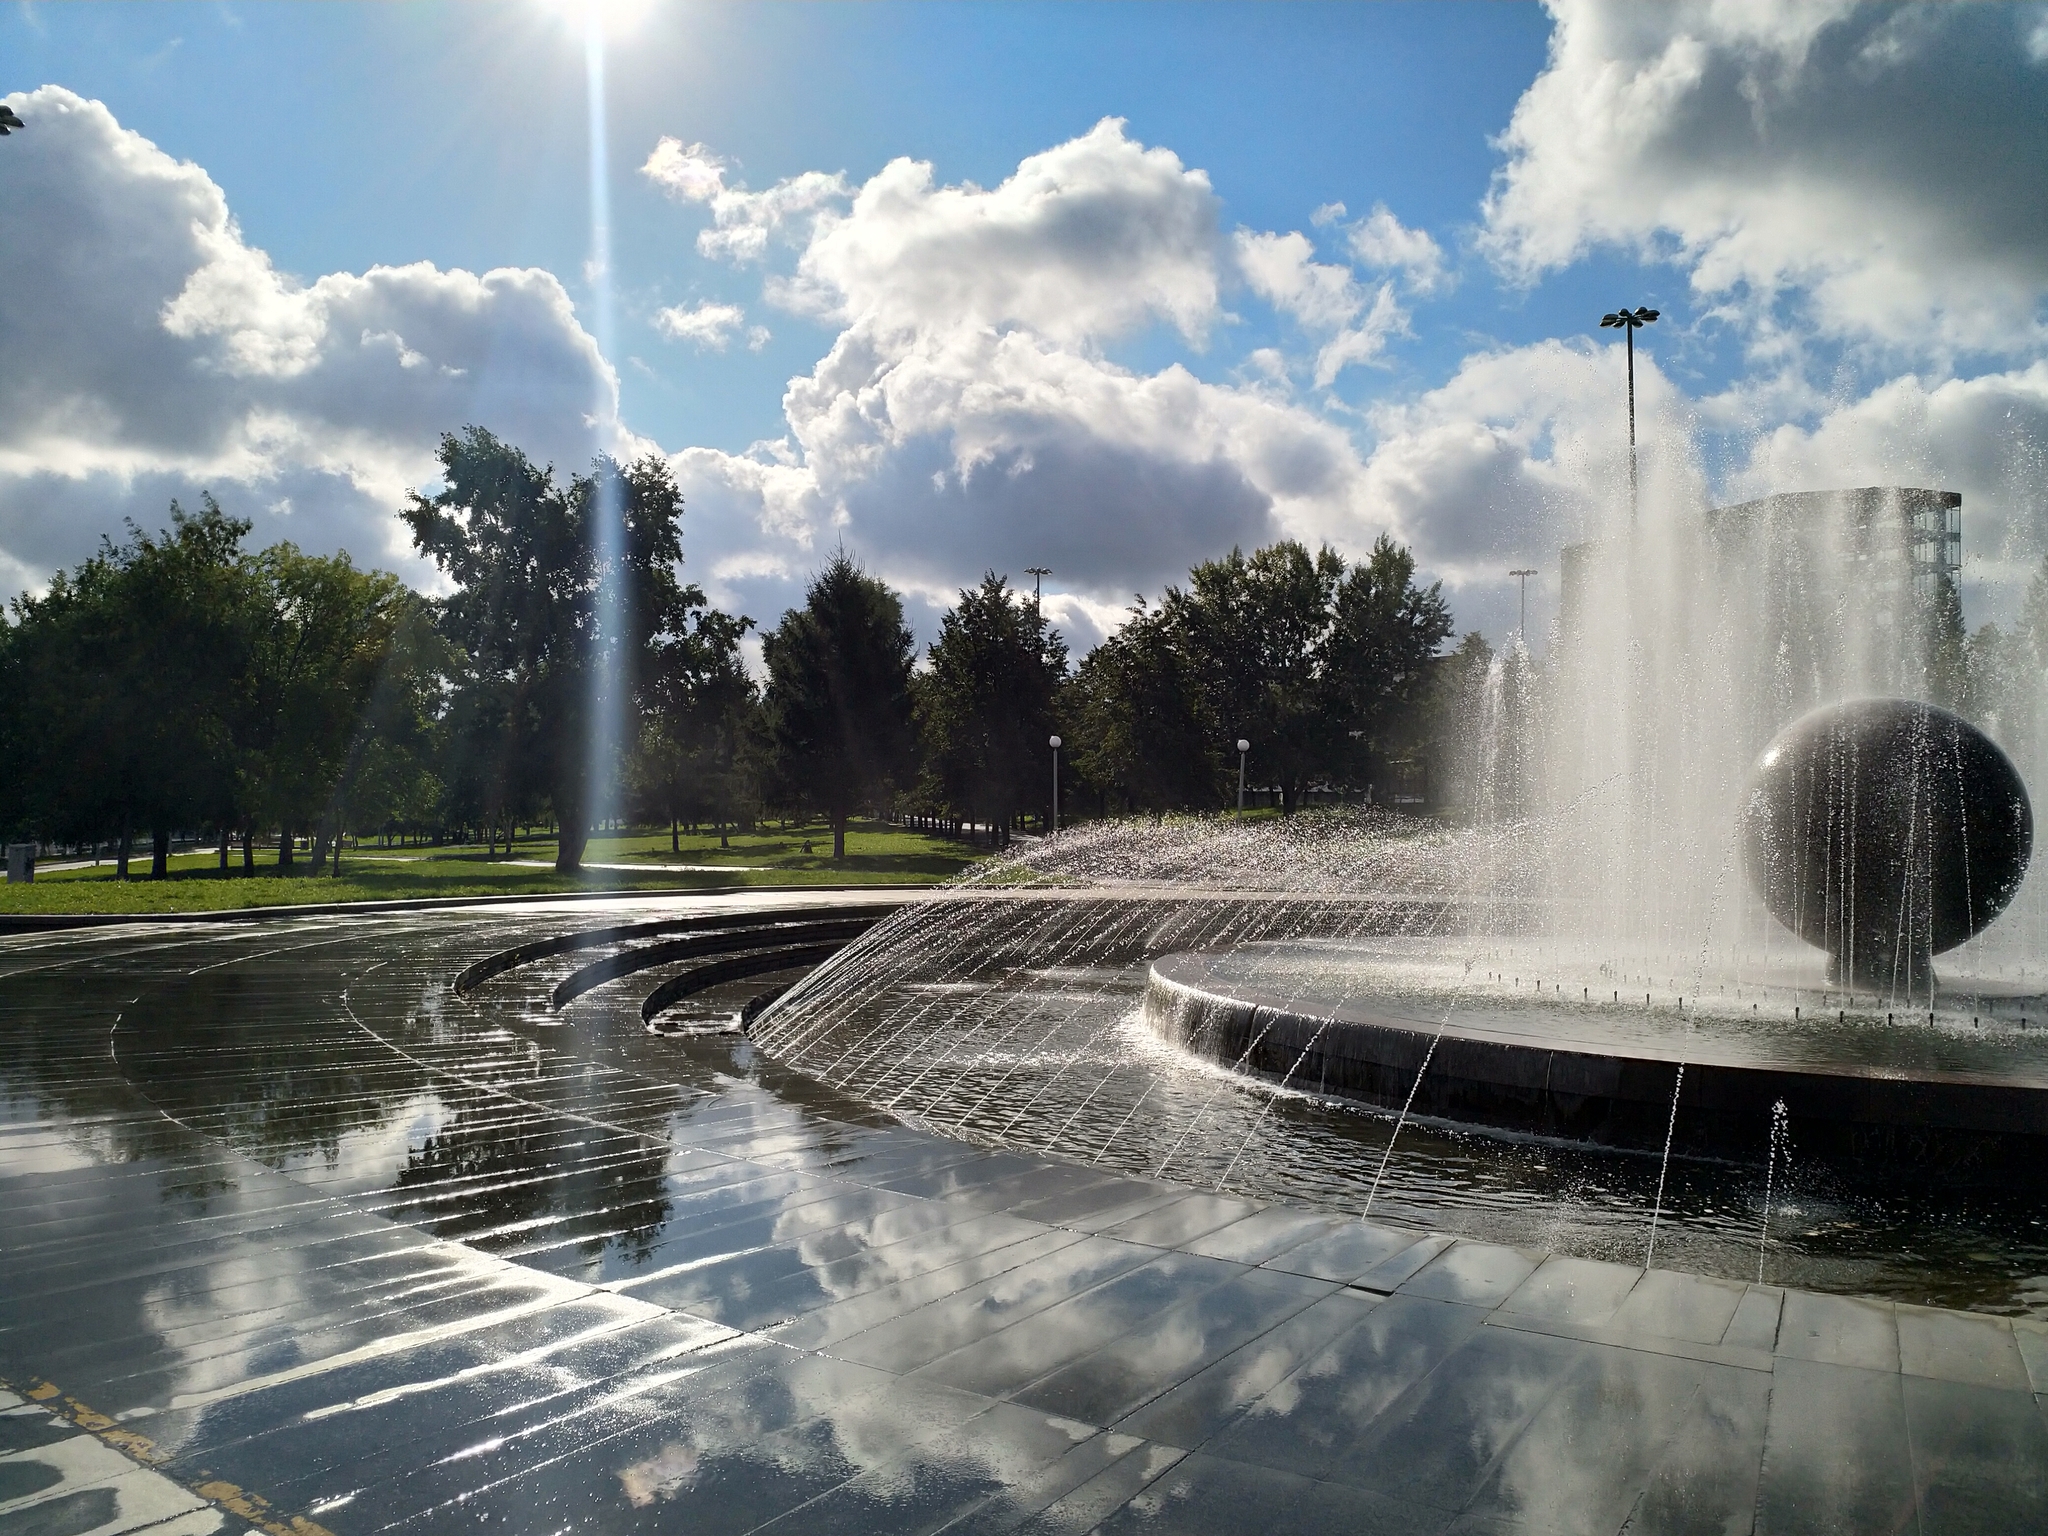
(1243, 747)
(1628, 323)
(1055, 742)
(1525, 575)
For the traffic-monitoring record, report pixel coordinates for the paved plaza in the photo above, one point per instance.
(295, 1238)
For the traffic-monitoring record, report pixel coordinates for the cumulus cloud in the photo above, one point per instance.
(1383, 243)
(743, 222)
(968, 414)
(1981, 436)
(1881, 165)
(152, 351)
(709, 326)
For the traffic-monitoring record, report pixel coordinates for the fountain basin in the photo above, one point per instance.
(1866, 1089)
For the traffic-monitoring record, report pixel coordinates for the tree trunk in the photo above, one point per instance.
(224, 847)
(723, 840)
(319, 851)
(159, 852)
(121, 854)
(675, 836)
(839, 837)
(248, 849)
(285, 851)
(337, 850)
(569, 845)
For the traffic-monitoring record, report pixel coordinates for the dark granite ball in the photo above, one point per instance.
(1885, 831)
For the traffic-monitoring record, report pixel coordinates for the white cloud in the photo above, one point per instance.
(1383, 243)
(743, 222)
(1321, 297)
(151, 352)
(967, 418)
(709, 326)
(1880, 164)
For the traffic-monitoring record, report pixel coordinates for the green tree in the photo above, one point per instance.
(838, 710)
(690, 760)
(1140, 732)
(1385, 634)
(544, 616)
(986, 706)
(1259, 629)
(321, 648)
(127, 677)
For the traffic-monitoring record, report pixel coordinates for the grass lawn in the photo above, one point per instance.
(875, 854)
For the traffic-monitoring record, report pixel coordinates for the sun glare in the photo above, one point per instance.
(608, 18)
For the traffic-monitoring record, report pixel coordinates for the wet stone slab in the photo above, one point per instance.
(315, 1240)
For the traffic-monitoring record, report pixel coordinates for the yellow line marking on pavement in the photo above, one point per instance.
(236, 1500)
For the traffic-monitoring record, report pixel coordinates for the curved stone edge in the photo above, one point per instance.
(1950, 1128)
(57, 922)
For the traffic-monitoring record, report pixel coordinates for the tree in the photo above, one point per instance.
(1385, 635)
(544, 613)
(1258, 630)
(127, 677)
(320, 649)
(985, 709)
(838, 712)
(1140, 732)
(702, 709)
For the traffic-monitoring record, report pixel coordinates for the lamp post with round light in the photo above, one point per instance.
(1054, 742)
(1628, 322)
(1243, 747)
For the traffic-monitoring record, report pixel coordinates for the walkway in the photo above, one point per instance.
(293, 1239)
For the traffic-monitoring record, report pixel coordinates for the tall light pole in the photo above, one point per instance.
(1525, 575)
(1055, 743)
(1037, 573)
(1243, 747)
(1628, 322)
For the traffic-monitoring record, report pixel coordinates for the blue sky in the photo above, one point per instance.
(1120, 399)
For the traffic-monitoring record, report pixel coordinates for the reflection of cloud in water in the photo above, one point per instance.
(660, 1475)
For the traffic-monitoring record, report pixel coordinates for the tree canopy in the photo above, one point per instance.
(838, 707)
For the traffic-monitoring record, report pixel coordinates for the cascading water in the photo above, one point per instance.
(1041, 1004)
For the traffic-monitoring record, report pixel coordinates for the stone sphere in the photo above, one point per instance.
(1884, 832)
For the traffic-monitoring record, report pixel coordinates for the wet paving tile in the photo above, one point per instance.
(1206, 1496)
(1961, 1347)
(1675, 1306)
(359, 1276)
(1344, 1253)
(1477, 1274)
(1566, 1290)
(1196, 1409)
(1166, 1349)
(916, 1338)
(1010, 1358)
(1839, 1330)
(1980, 1457)
(1312, 1422)
(1837, 1457)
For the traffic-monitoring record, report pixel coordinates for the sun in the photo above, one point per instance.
(603, 18)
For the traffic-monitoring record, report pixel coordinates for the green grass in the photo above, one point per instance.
(875, 854)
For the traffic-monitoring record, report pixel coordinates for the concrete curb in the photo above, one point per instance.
(57, 922)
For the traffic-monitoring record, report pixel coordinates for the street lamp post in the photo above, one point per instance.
(1055, 743)
(1243, 747)
(1037, 573)
(1628, 322)
(1525, 575)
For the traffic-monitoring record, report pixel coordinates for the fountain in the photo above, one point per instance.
(1587, 1019)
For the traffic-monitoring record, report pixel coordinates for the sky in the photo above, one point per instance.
(1102, 288)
